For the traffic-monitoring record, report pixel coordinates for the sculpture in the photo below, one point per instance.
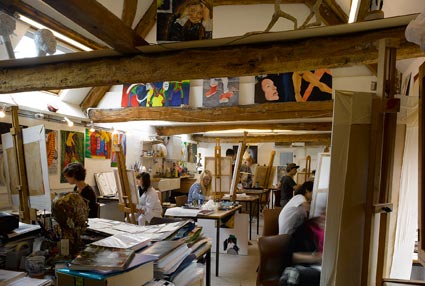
(45, 42)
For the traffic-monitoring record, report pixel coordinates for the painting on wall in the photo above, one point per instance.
(222, 91)
(117, 138)
(167, 93)
(192, 151)
(294, 86)
(72, 149)
(98, 144)
(184, 20)
(52, 150)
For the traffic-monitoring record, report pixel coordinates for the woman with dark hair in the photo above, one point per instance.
(75, 173)
(149, 204)
(294, 213)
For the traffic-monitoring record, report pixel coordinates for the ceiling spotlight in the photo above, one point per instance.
(68, 121)
(3, 111)
(92, 127)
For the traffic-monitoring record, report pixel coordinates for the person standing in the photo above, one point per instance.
(287, 184)
(149, 204)
(75, 173)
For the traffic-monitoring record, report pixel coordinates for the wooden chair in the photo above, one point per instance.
(181, 200)
(271, 221)
(275, 256)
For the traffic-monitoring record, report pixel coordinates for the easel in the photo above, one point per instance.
(237, 178)
(217, 169)
(269, 169)
(126, 205)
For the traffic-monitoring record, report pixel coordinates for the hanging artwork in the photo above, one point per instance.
(167, 93)
(52, 150)
(72, 149)
(184, 20)
(117, 138)
(298, 86)
(192, 151)
(98, 144)
(222, 91)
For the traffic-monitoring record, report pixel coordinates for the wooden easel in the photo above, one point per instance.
(217, 169)
(269, 169)
(241, 151)
(127, 206)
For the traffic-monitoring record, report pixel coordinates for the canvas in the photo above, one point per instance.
(72, 149)
(297, 86)
(222, 91)
(98, 144)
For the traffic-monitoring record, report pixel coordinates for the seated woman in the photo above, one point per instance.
(294, 213)
(149, 204)
(75, 173)
(200, 191)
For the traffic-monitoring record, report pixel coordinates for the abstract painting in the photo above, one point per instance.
(98, 144)
(72, 149)
(117, 138)
(167, 93)
(52, 150)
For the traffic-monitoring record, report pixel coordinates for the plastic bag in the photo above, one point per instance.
(415, 31)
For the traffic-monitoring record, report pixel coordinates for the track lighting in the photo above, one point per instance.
(3, 111)
(92, 127)
(68, 121)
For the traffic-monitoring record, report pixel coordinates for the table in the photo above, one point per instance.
(255, 192)
(250, 200)
(217, 216)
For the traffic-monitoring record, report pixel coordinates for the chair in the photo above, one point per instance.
(271, 221)
(275, 256)
(181, 200)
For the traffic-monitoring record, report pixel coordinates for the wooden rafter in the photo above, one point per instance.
(13, 6)
(99, 21)
(363, 10)
(147, 22)
(269, 111)
(244, 60)
(322, 139)
(129, 12)
(94, 96)
(306, 126)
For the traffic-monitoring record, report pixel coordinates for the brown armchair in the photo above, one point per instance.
(275, 256)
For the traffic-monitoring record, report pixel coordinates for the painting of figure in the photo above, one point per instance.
(72, 149)
(299, 86)
(153, 94)
(184, 20)
(98, 144)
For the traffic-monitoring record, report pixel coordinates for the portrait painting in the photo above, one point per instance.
(252, 151)
(300, 86)
(98, 144)
(167, 93)
(184, 20)
(222, 91)
(72, 149)
(192, 151)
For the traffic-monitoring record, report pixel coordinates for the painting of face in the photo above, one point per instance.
(270, 90)
(195, 13)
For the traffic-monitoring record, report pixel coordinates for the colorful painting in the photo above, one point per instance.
(98, 144)
(222, 91)
(72, 149)
(117, 138)
(184, 20)
(167, 93)
(52, 150)
(294, 86)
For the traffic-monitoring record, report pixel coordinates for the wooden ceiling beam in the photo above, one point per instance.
(94, 96)
(331, 13)
(268, 111)
(305, 126)
(322, 139)
(12, 7)
(363, 10)
(129, 12)
(252, 2)
(145, 25)
(230, 61)
(99, 21)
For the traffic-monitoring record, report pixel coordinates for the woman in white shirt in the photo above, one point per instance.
(149, 204)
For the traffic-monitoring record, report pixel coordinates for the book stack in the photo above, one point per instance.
(124, 240)
(17, 278)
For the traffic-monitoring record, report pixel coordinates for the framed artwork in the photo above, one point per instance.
(72, 149)
(297, 86)
(182, 20)
(117, 138)
(253, 152)
(98, 144)
(192, 151)
(167, 93)
(223, 91)
(52, 146)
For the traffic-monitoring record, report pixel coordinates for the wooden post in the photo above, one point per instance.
(127, 206)
(269, 168)
(241, 151)
(18, 145)
(217, 169)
